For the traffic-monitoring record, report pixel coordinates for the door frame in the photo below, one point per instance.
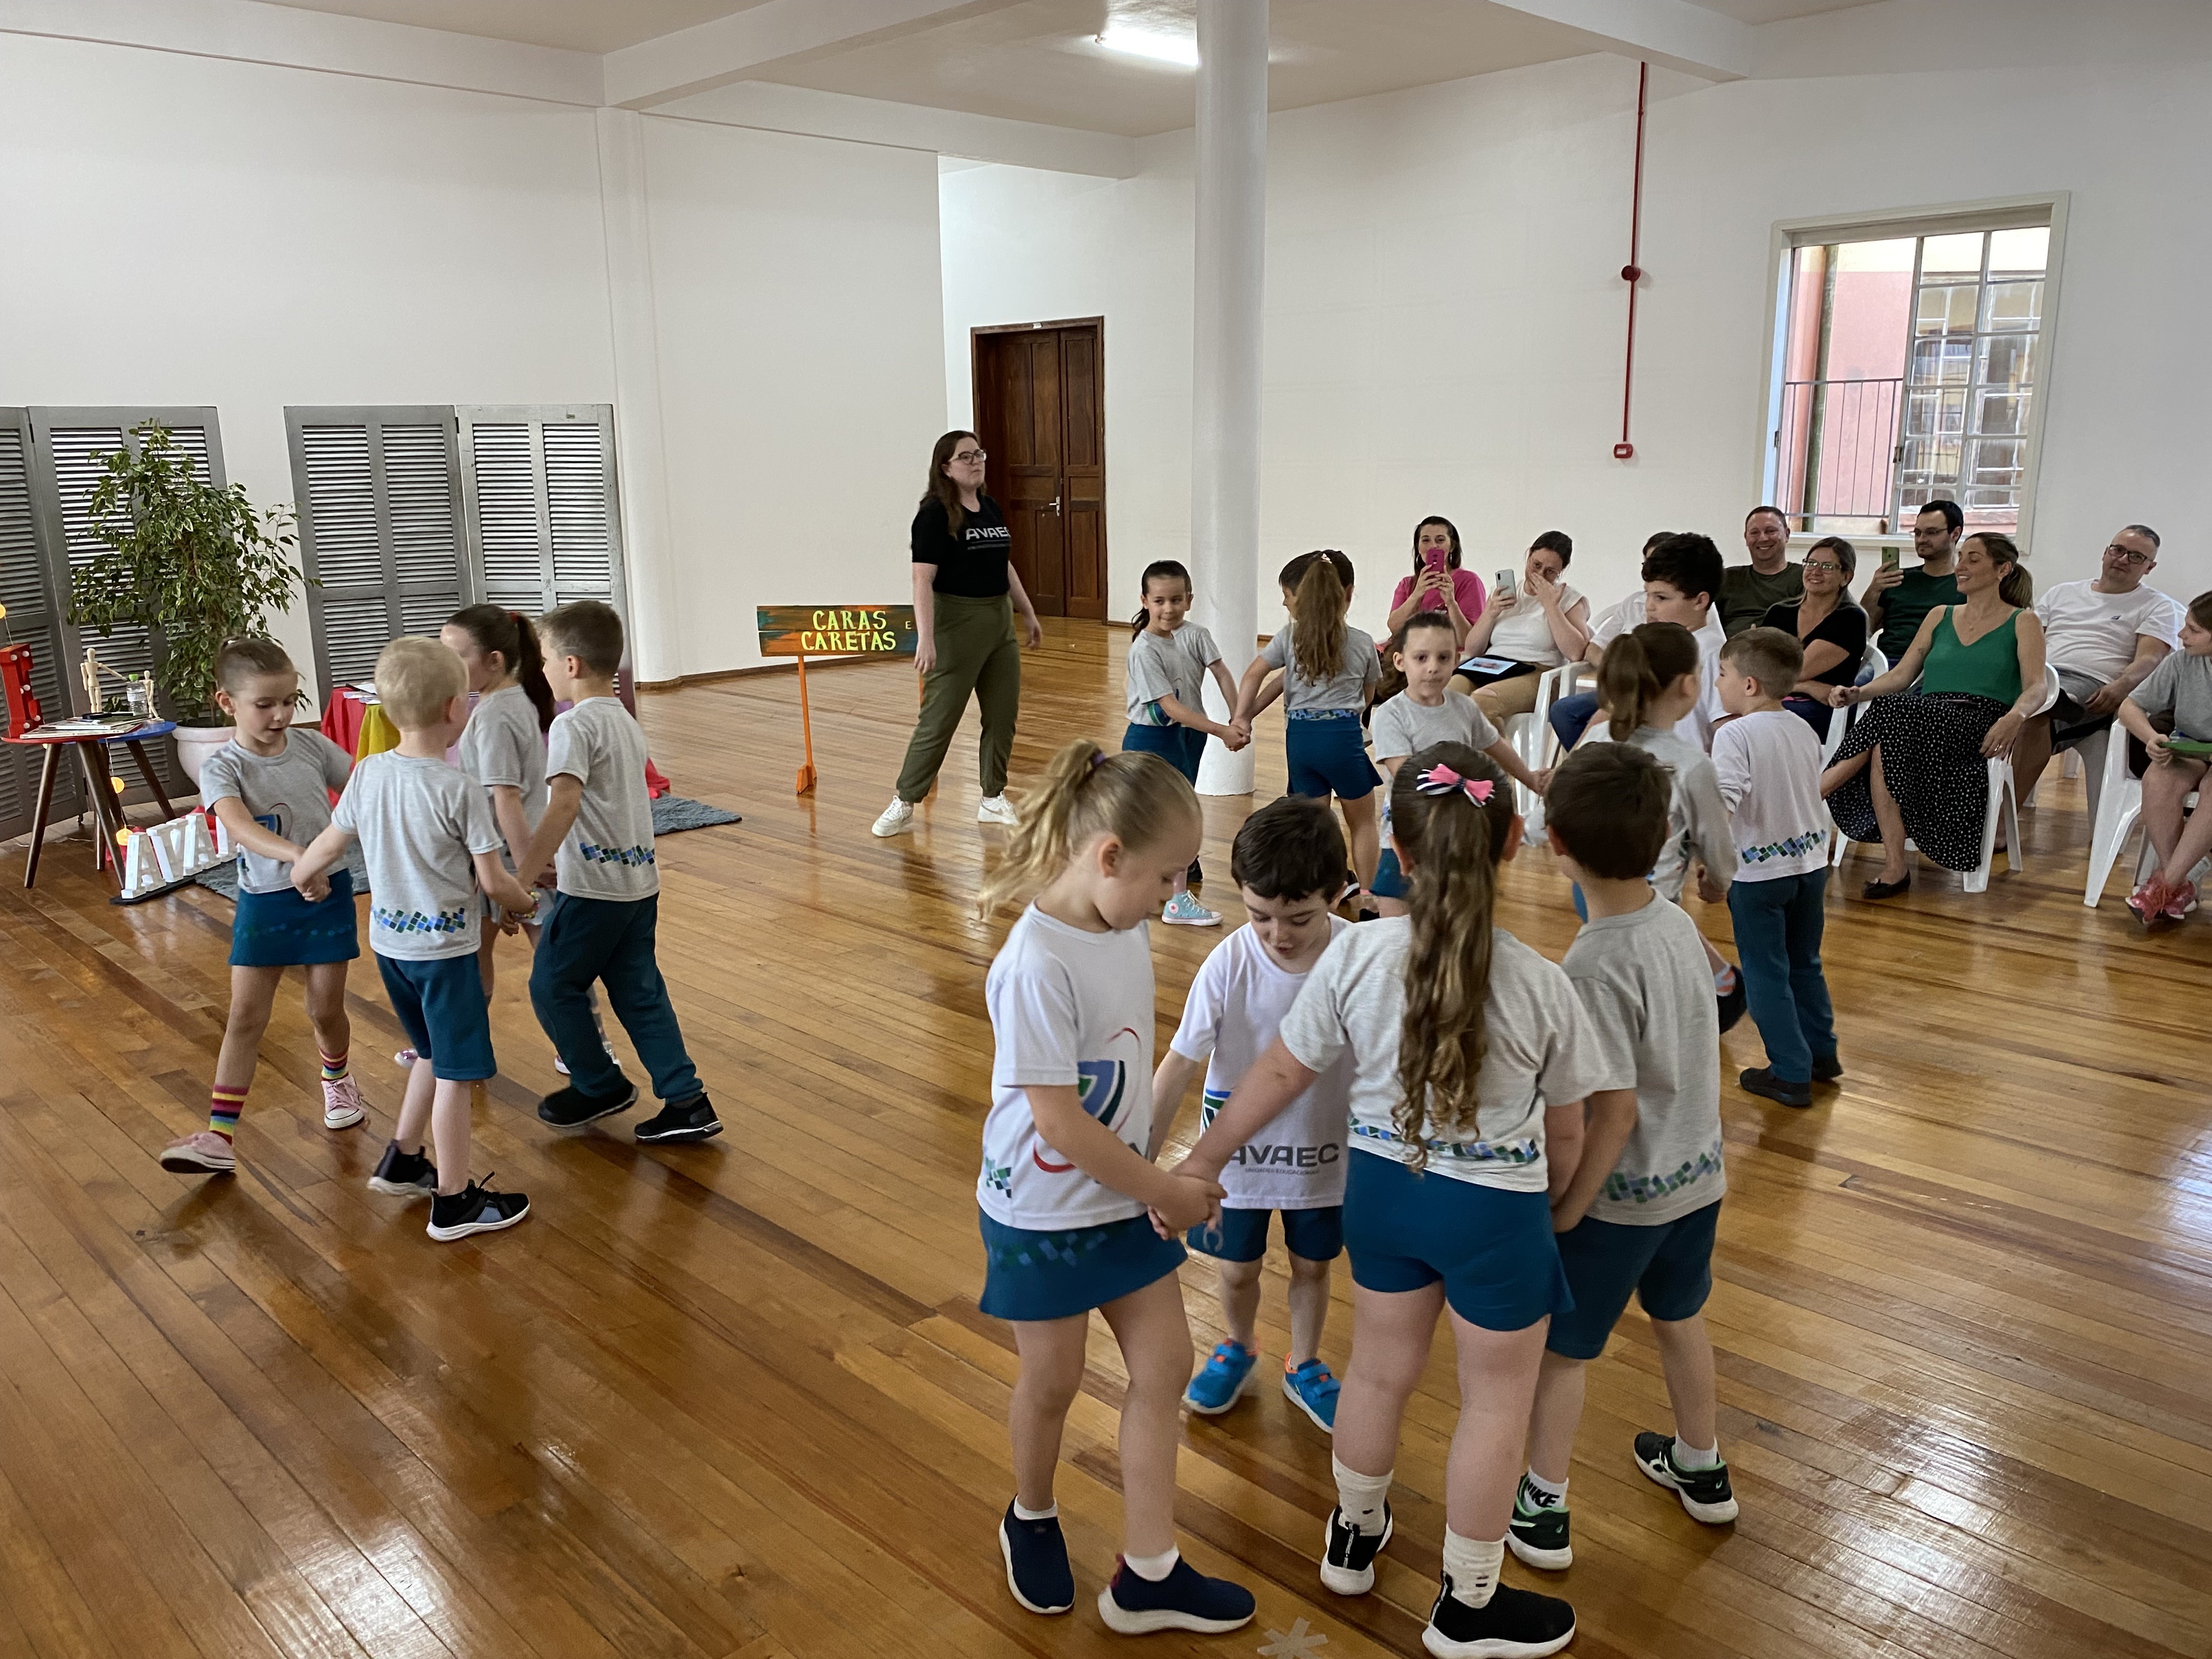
(976, 334)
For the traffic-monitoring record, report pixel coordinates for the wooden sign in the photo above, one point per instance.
(837, 631)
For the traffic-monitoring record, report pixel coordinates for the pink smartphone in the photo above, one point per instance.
(1435, 558)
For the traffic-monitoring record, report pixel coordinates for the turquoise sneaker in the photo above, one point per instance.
(1221, 1380)
(1312, 1389)
(1184, 910)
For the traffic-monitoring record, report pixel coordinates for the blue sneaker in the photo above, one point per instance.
(1037, 1563)
(1221, 1380)
(1312, 1389)
(1185, 1600)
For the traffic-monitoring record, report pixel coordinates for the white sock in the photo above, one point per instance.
(1359, 1497)
(1552, 1492)
(1050, 1512)
(1688, 1456)
(1472, 1567)
(1153, 1568)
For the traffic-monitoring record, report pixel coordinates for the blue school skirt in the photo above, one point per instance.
(1327, 754)
(1180, 746)
(1054, 1275)
(283, 930)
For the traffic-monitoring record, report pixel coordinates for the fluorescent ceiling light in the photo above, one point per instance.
(1161, 45)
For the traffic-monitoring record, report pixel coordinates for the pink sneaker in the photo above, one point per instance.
(2180, 900)
(342, 1104)
(203, 1152)
(405, 1057)
(2149, 900)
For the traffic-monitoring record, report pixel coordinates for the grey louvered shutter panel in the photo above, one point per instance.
(70, 449)
(32, 619)
(544, 511)
(378, 490)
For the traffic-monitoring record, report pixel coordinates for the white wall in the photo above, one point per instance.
(189, 230)
(1445, 313)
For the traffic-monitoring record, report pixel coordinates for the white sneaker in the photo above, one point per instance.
(1184, 910)
(341, 1105)
(897, 818)
(997, 809)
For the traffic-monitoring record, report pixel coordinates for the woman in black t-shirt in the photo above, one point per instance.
(965, 595)
(1829, 624)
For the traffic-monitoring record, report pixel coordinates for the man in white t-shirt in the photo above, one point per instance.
(2103, 637)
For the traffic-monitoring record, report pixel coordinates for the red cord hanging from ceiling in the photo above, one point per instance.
(1632, 272)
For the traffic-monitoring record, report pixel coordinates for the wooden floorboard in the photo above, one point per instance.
(736, 1401)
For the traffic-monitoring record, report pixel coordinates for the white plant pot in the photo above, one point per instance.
(195, 743)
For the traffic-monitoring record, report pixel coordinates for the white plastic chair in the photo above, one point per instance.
(1531, 734)
(1872, 668)
(2115, 803)
(2002, 799)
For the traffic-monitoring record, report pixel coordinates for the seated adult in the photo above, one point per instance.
(1437, 582)
(2103, 637)
(1829, 624)
(1537, 625)
(1748, 591)
(1682, 574)
(1918, 767)
(1897, 599)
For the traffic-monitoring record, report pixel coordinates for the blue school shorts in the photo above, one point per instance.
(440, 1006)
(1492, 1249)
(1327, 754)
(1669, 1267)
(1389, 881)
(1180, 746)
(1315, 1235)
(1031, 1275)
(284, 930)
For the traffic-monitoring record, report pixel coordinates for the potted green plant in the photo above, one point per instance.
(195, 562)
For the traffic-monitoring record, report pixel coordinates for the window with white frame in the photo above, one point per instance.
(1910, 364)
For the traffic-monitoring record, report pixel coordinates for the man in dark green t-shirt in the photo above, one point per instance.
(1897, 600)
(1748, 591)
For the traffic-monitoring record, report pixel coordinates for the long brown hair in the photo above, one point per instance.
(2015, 587)
(1451, 561)
(1394, 677)
(1133, 796)
(509, 633)
(942, 489)
(1638, 667)
(1317, 619)
(1455, 845)
(1162, 570)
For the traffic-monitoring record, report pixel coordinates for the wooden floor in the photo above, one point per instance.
(737, 1400)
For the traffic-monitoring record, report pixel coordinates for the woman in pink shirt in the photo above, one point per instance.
(1437, 583)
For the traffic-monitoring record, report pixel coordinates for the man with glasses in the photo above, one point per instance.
(1896, 599)
(1748, 591)
(2103, 637)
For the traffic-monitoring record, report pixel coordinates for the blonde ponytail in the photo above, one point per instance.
(1133, 797)
(1639, 667)
(1317, 620)
(1454, 843)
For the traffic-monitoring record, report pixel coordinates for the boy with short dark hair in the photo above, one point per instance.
(1767, 763)
(1640, 1213)
(597, 829)
(1288, 866)
(429, 843)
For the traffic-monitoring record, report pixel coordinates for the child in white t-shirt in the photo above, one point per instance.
(1288, 863)
(1068, 1179)
(1425, 654)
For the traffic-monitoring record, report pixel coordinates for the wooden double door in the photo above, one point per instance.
(1041, 412)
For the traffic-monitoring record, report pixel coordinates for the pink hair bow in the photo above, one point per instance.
(1441, 780)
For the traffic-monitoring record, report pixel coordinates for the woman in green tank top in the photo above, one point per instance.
(1916, 766)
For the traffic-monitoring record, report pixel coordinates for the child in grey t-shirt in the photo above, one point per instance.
(1640, 1214)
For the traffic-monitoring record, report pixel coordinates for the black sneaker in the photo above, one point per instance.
(1194, 876)
(1185, 1600)
(1827, 1068)
(404, 1174)
(1733, 1002)
(692, 1120)
(474, 1209)
(572, 1108)
(1037, 1563)
(1704, 1493)
(1513, 1624)
(1760, 1080)
(1537, 1531)
(1348, 1564)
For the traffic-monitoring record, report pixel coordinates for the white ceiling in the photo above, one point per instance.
(593, 25)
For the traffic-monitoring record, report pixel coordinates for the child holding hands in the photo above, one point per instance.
(1068, 1176)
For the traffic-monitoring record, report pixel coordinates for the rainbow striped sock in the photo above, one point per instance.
(334, 1067)
(224, 1107)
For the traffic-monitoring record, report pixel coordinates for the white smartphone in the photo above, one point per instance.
(1507, 584)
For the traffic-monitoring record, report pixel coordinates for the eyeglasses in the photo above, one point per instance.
(2128, 554)
(970, 457)
(1823, 564)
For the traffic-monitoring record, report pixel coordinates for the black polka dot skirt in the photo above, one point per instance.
(1932, 761)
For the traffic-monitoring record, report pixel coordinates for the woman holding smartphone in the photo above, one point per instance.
(1528, 627)
(1437, 582)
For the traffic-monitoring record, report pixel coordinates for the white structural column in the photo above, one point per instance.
(1232, 229)
(648, 555)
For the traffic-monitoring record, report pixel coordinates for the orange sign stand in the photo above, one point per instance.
(799, 631)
